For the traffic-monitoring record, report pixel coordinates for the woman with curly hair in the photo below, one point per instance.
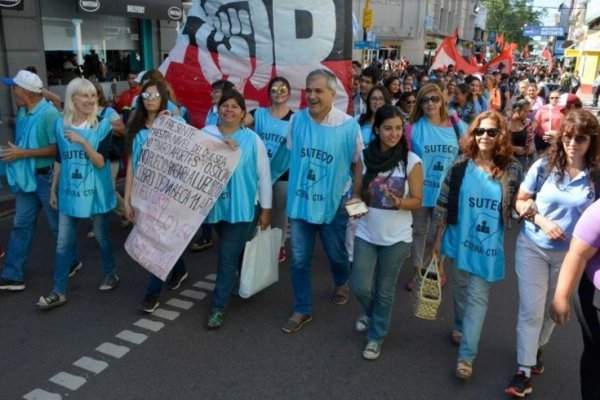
(553, 195)
(471, 221)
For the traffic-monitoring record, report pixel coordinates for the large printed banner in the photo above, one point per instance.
(250, 42)
(180, 174)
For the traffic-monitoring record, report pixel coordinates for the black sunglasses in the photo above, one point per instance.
(579, 139)
(491, 132)
(433, 99)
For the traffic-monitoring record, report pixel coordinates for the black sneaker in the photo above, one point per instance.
(519, 386)
(75, 268)
(51, 301)
(109, 282)
(538, 368)
(177, 278)
(13, 286)
(150, 303)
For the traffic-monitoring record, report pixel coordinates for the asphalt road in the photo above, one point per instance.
(99, 346)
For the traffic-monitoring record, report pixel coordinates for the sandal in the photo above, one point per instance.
(456, 336)
(464, 370)
(341, 294)
(296, 322)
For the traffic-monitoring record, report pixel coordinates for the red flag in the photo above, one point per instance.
(548, 57)
(447, 54)
(472, 59)
(455, 36)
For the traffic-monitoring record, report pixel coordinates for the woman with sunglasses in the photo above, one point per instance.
(152, 102)
(521, 133)
(432, 135)
(392, 187)
(553, 195)
(271, 123)
(378, 96)
(407, 103)
(471, 220)
(245, 200)
(547, 120)
(81, 187)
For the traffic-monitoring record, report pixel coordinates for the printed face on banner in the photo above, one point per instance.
(250, 42)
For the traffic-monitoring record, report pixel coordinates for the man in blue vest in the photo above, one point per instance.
(325, 145)
(28, 163)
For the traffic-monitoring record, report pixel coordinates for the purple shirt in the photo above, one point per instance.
(588, 230)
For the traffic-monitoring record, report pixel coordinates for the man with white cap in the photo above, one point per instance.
(29, 162)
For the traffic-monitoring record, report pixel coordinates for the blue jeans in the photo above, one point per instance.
(333, 236)
(156, 284)
(66, 246)
(471, 295)
(374, 276)
(27, 209)
(232, 238)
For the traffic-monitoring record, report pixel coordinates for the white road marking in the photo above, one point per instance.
(166, 314)
(112, 350)
(39, 394)
(205, 285)
(153, 326)
(132, 337)
(193, 294)
(67, 380)
(211, 277)
(185, 305)
(90, 364)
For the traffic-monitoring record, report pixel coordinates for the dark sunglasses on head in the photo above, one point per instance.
(150, 96)
(433, 99)
(579, 139)
(491, 132)
(279, 90)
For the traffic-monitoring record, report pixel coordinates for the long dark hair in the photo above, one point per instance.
(141, 113)
(378, 161)
(576, 122)
(366, 116)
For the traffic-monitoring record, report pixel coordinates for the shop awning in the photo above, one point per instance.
(149, 9)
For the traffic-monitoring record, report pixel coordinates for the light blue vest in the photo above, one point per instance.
(237, 201)
(212, 118)
(367, 133)
(438, 147)
(319, 167)
(83, 189)
(476, 243)
(20, 174)
(273, 132)
(136, 147)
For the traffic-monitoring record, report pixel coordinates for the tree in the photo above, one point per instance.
(508, 17)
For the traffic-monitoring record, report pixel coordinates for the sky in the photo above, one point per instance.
(549, 19)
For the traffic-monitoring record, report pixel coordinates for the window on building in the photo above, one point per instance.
(100, 47)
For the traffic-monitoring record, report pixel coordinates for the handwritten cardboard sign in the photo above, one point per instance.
(180, 174)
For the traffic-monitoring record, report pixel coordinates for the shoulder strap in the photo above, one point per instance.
(455, 126)
(457, 173)
(542, 175)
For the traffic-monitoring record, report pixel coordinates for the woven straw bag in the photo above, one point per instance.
(427, 293)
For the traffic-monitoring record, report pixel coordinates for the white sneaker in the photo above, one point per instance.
(372, 350)
(90, 234)
(362, 323)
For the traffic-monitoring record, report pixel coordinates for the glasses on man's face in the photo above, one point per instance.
(433, 99)
(491, 132)
(150, 96)
(579, 139)
(279, 90)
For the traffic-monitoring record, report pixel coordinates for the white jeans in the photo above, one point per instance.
(537, 272)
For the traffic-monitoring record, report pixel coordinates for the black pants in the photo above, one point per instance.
(596, 94)
(588, 313)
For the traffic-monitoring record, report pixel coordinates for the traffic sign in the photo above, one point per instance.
(367, 45)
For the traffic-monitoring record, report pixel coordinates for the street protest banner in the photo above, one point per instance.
(181, 173)
(250, 42)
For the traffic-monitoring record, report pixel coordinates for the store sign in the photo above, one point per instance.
(12, 4)
(151, 9)
(543, 31)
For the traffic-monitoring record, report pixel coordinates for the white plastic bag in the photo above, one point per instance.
(260, 266)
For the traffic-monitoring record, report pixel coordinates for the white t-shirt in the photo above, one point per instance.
(384, 224)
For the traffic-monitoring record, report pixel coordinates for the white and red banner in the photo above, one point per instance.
(180, 175)
(250, 42)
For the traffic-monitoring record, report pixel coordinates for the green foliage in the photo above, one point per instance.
(508, 17)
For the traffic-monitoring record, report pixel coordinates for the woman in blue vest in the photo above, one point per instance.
(271, 124)
(432, 135)
(378, 96)
(553, 195)
(471, 220)
(151, 102)
(82, 186)
(246, 199)
(392, 187)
